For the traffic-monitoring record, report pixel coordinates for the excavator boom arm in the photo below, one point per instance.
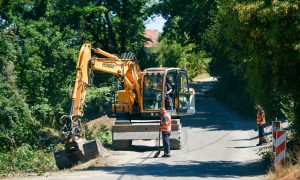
(126, 69)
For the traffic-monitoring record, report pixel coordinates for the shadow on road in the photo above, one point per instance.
(211, 114)
(242, 147)
(189, 169)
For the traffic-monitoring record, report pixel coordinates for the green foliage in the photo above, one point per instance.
(196, 63)
(98, 102)
(186, 20)
(172, 54)
(182, 43)
(44, 61)
(39, 45)
(147, 58)
(26, 159)
(254, 48)
(45, 37)
(116, 26)
(17, 126)
(103, 135)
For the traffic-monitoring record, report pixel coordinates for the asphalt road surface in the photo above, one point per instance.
(218, 144)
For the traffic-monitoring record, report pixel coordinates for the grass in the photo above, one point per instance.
(26, 159)
(32, 158)
(291, 171)
(103, 135)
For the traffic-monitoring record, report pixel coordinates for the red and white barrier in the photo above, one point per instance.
(279, 144)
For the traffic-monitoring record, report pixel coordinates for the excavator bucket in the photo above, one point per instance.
(79, 151)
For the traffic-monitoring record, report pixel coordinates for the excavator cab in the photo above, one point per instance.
(180, 101)
(144, 124)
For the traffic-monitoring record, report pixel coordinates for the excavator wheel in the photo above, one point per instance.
(79, 151)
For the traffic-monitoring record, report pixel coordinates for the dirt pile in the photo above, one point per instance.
(96, 124)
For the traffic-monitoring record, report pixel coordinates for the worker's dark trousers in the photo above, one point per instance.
(166, 141)
(169, 104)
(261, 132)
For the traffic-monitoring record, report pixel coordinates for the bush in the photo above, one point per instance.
(254, 48)
(25, 159)
(17, 125)
(97, 102)
(103, 135)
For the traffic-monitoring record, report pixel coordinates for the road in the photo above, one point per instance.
(218, 144)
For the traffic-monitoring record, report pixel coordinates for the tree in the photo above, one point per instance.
(17, 125)
(186, 21)
(172, 54)
(40, 42)
(182, 39)
(259, 54)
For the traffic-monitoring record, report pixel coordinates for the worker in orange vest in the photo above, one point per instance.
(165, 128)
(261, 123)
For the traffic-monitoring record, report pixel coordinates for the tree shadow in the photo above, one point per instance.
(213, 115)
(223, 169)
(242, 147)
(245, 139)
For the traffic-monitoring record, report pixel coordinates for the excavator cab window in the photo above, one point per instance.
(183, 92)
(171, 78)
(152, 94)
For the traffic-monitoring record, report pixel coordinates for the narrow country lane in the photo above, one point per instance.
(218, 144)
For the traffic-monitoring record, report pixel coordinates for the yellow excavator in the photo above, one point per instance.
(137, 107)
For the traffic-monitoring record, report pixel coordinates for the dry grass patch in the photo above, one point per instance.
(289, 172)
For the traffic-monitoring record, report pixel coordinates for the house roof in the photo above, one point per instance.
(151, 36)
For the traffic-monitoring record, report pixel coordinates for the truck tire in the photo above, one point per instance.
(121, 144)
(176, 144)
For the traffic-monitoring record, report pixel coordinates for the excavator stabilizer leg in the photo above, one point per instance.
(79, 151)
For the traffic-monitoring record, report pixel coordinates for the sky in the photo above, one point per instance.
(156, 23)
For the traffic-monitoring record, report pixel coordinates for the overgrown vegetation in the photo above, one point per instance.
(103, 134)
(291, 169)
(98, 102)
(25, 158)
(261, 61)
(172, 54)
(39, 45)
(254, 46)
(254, 50)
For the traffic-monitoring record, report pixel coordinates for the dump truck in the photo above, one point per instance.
(137, 105)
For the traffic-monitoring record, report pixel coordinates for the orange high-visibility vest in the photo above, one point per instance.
(165, 126)
(261, 117)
